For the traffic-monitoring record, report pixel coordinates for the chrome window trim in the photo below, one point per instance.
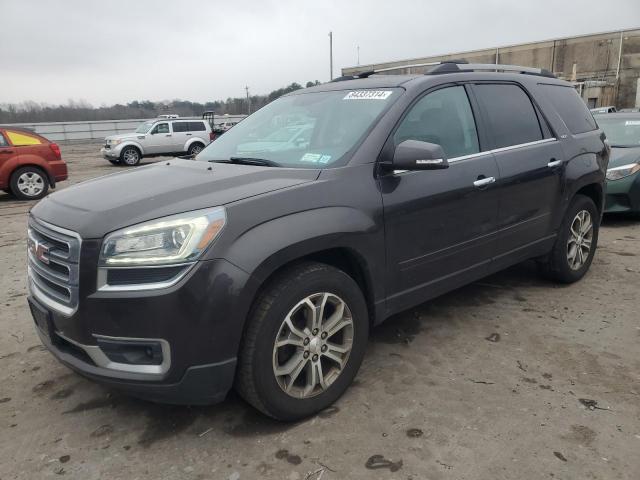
(98, 356)
(486, 152)
(103, 286)
(521, 145)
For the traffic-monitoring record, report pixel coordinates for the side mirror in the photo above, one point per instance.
(417, 155)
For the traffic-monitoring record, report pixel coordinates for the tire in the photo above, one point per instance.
(195, 148)
(29, 183)
(562, 264)
(284, 296)
(130, 156)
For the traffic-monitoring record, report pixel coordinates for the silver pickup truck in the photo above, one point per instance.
(162, 136)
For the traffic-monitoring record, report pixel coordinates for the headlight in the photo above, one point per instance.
(617, 173)
(115, 142)
(169, 240)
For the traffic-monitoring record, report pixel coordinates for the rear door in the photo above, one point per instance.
(181, 134)
(439, 224)
(531, 167)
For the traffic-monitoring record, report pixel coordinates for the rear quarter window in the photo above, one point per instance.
(570, 107)
(22, 138)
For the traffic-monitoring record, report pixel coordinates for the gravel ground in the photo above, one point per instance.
(509, 378)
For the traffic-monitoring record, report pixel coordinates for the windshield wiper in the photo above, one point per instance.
(250, 161)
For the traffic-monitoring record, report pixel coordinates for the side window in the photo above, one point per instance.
(3, 141)
(161, 128)
(180, 127)
(196, 127)
(511, 115)
(443, 117)
(571, 107)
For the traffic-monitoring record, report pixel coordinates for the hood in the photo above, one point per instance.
(96, 207)
(623, 156)
(125, 136)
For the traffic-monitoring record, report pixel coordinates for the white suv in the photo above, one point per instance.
(158, 137)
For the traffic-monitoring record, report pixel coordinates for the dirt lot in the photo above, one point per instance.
(509, 378)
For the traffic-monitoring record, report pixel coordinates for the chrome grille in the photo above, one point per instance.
(53, 265)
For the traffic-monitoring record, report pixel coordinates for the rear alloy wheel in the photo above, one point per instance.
(195, 148)
(29, 183)
(576, 242)
(305, 340)
(130, 156)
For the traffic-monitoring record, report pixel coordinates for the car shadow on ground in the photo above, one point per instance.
(236, 418)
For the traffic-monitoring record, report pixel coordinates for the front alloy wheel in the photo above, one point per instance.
(313, 345)
(304, 342)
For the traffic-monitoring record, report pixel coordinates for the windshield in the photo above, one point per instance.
(144, 128)
(621, 131)
(309, 130)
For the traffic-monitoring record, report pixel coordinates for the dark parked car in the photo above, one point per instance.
(29, 163)
(268, 272)
(623, 175)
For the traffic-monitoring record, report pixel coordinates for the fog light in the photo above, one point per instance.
(132, 352)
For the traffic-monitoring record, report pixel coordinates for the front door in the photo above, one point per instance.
(531, 165)
(159, 139)
(440, 224)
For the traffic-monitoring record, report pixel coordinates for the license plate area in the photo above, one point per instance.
(42, 318)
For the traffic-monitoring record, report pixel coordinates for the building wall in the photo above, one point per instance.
(596, 57)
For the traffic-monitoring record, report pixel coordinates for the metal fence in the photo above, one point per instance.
(97, 130)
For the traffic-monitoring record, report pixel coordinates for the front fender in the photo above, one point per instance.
(129, 143)
(264, 248)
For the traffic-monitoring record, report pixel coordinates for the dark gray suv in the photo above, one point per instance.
(265, 262)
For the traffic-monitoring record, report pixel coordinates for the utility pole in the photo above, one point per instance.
(330, 55)
(248, 101)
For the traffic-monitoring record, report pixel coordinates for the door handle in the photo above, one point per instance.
(189, 134)
(483, 182)
(554, 163)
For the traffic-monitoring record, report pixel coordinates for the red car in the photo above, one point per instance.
(29, 163)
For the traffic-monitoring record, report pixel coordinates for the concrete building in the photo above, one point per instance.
(604, 67)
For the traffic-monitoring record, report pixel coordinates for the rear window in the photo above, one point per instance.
(571, 108)
(180, 127)
(197, 127)
(3, 142)
(511, 114)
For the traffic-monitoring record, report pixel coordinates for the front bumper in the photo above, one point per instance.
(623, 195)
(110, 153)
(200, 319)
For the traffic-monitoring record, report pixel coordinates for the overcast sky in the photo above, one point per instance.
(117, 51)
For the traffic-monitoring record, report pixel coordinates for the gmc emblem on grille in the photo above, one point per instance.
(39, 250)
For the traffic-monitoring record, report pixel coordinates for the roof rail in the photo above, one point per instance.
(368, 73)
(449, 67)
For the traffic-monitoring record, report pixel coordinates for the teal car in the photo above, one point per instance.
(623, 174)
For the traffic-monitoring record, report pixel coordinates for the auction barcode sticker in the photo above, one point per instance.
(368, 95)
